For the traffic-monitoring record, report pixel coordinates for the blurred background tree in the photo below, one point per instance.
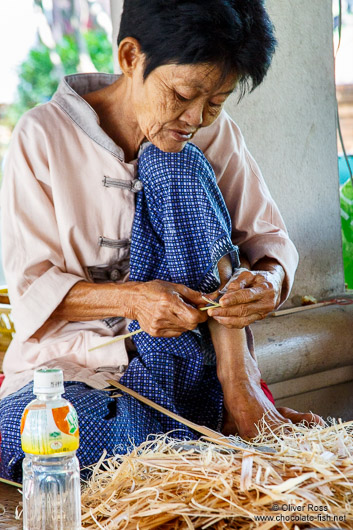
(72, 36)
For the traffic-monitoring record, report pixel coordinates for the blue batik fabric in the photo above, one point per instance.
(181, 229)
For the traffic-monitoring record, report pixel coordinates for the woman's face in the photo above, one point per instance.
(177, 100)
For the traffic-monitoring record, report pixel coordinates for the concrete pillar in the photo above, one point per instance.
(289, 126)
(116, 8)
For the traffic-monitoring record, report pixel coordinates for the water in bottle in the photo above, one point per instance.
(51, 476)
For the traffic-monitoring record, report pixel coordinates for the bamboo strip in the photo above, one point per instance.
(298, 309)
(209, 307)
(211, 304)
(11, 483)
(117, 339)
(214, 435)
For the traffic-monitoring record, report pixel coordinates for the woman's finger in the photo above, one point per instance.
(239, 316)
(244, 296)
(162, 328)
(245, 279)
(189, 320)
(238, 322)
(300, 417)
(261, 307)
(166, 333)
(186, 315)
(188, 295)
(250, 286)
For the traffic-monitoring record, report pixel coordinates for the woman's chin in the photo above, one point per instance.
(171, 146)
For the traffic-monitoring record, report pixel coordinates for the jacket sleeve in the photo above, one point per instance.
(258, 227)
(33, 261)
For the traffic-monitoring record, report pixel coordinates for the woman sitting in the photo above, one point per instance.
(69, 222)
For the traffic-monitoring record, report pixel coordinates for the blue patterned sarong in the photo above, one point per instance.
(181, 229)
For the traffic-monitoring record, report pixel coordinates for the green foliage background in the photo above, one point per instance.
(346, 193)
(38, 78)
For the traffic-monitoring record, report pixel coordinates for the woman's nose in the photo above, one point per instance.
(193, 115)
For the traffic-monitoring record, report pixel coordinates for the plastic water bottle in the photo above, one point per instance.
(51, 475)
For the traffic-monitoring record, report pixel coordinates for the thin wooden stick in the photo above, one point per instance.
(297, 309)
(211, 304)
(11, 483)
(117, 339)
(198, 428)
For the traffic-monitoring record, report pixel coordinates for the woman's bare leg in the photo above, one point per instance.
(237, 370)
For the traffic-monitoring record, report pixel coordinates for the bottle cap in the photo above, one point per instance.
(48, 381)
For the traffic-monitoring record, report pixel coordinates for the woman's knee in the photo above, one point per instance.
(157, 167)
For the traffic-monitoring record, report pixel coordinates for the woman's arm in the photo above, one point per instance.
(258, 228)
(33, 259)
(163, 309)
(40, 288)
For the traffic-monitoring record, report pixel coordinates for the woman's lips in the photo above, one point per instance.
(181, 136)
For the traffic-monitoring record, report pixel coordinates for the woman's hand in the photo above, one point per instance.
(164, 309)
(250, 295)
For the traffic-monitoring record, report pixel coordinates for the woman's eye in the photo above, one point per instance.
(215, 105)
(181, 98)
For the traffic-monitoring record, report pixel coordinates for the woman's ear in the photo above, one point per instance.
(129, 55)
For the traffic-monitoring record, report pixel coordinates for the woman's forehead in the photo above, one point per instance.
(200, 77)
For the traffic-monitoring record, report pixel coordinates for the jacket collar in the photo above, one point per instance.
(69, 98)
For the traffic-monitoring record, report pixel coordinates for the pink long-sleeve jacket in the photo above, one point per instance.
(67, 212)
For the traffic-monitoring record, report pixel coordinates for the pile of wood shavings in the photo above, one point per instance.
(164, 484)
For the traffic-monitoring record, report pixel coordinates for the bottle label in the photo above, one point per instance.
(46, 430)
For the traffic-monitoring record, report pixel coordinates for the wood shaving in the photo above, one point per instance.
(168, 484)
(308, 300)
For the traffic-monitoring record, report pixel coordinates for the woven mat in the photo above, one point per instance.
(9, 498)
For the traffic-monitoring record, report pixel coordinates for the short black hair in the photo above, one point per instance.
(236, 35)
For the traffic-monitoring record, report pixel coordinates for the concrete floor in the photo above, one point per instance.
(10, 498)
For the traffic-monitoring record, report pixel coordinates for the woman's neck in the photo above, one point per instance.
(116, 116)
